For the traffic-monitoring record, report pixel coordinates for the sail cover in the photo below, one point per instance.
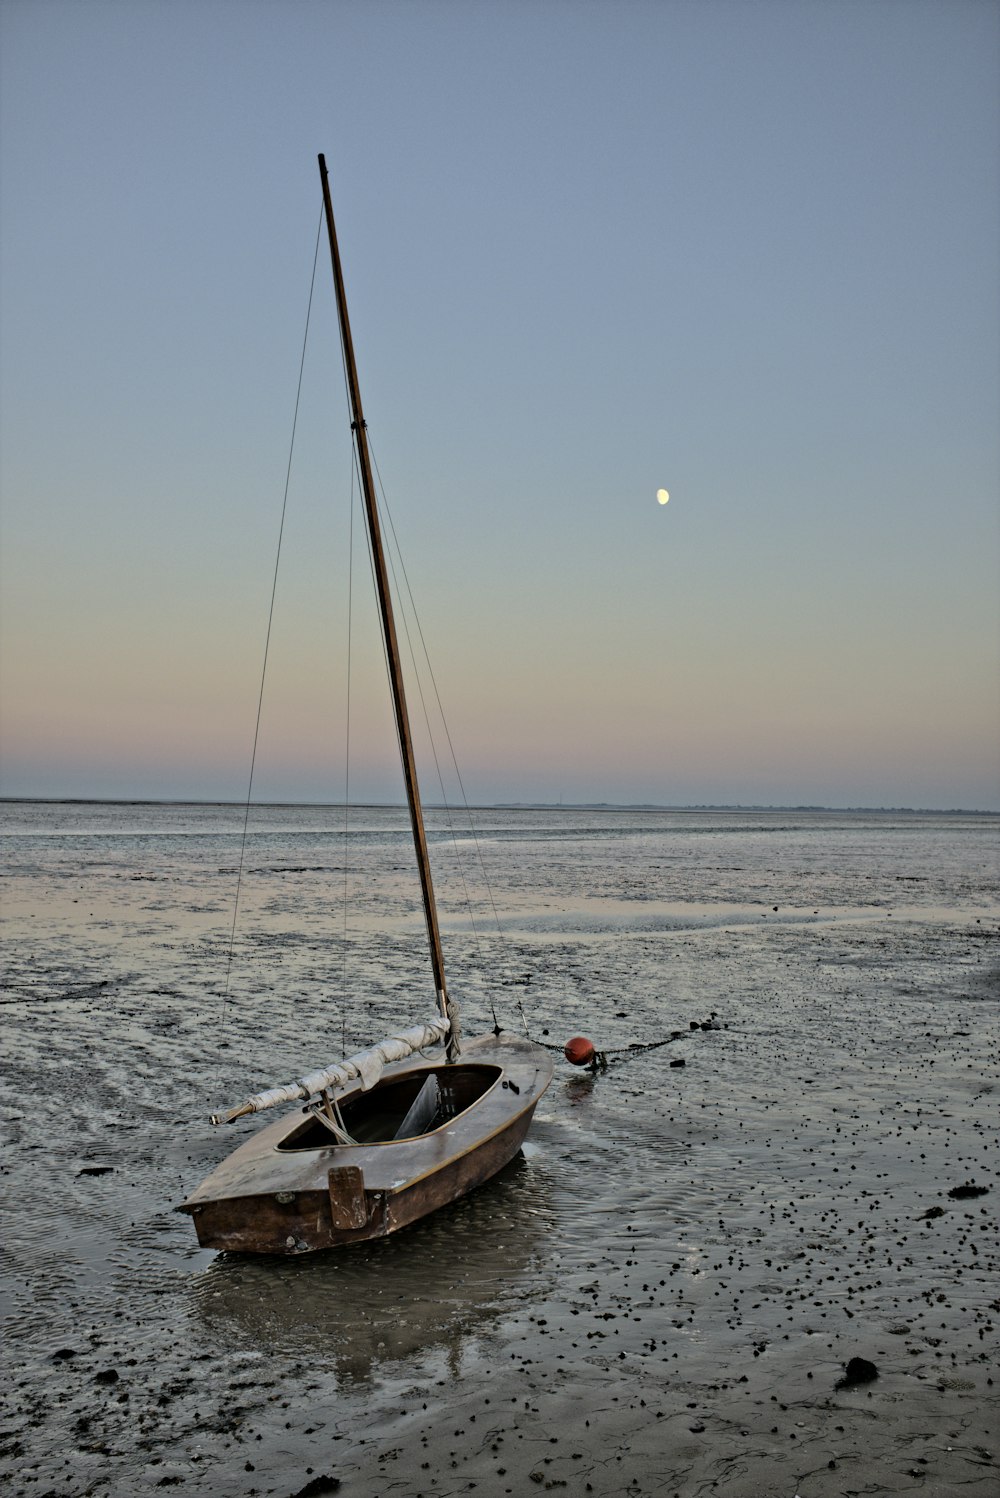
(366, 1066)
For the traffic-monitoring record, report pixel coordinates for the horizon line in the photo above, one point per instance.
(728, 806)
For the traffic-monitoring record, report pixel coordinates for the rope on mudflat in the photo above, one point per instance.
(582, 1052)
(626, 1050)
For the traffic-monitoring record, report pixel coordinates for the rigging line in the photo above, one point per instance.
(381, 621)
(385, 652)
(270, 620)
(395, 552)
(355, 473)
(347, 754)
(423, 704)
(444, 720)
(381, 624)
(356, 470)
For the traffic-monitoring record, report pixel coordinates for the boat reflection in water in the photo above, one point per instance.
(429, 1288)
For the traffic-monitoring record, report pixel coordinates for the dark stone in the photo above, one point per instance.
(318, 1486)
(678, 1061)
(858, 1371)
(106, 1376)
(96, 1170)
(963, 1193)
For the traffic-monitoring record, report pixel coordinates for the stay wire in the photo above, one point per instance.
(396, 552)
(347, 756)
(267, 640)
(426, 656)
(444, 724)
(375, 587)
(385, 651)
(385, 644)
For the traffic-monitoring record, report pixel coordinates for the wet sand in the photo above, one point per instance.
(661, 1297)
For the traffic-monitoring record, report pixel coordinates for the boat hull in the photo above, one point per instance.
(272, 1196)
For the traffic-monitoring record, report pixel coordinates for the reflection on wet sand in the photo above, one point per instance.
(435, 1284)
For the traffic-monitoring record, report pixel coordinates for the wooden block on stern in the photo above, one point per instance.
(348, 1207)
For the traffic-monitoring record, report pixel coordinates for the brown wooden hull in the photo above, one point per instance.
(272, 1197)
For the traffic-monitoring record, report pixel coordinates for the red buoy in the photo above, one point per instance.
(579, 1051)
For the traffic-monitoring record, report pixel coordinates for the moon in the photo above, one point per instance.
(662, 496)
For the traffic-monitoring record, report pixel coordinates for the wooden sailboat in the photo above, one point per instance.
(397, 1131)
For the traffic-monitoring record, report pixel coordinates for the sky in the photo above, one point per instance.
(747, 252)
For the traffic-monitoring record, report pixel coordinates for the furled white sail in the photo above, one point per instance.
(366, 1066)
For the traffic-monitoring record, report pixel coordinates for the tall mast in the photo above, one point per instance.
(388, 622)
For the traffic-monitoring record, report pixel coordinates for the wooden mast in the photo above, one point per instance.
(388, 622)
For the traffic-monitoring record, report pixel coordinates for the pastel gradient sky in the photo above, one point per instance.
(745, 251)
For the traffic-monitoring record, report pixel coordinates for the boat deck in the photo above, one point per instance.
(251, 1197)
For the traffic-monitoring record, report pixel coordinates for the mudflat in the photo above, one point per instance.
(666, 1294)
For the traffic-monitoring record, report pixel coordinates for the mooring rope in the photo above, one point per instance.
(628, 1050)
(602, 1057)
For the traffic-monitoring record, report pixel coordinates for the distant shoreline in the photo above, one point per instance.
(610, 806)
